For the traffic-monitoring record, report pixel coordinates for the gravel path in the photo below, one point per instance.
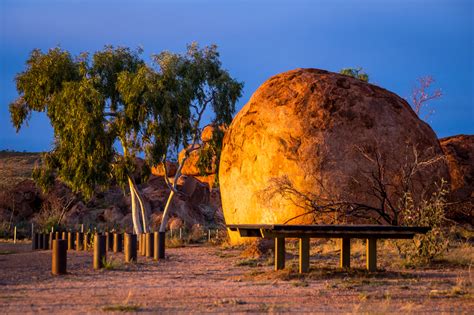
(208, 279)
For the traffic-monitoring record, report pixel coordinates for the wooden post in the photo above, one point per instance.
(99, 251)
(130, 248)
(86, 241)
(140, 243)
(50, 240)
(143, 247)
(79, 241)
(59, 257)
(35, 241)
(180, 233)
(304, 254)
(161, 245)
(70, 241)
(117, 243)
(57, 235)
(14, 235)
(64, 236)
(109, 241)
(372, 254)
(82, 228)
(345, 258)
(46, 241)
(149, 244)
(209, 235)
(279, 253)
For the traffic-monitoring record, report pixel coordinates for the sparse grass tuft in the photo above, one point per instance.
(6, 252)
(302, 283)
(174, 242)
(110, 264)
(229, 302)
(251, 262)
(121, 308)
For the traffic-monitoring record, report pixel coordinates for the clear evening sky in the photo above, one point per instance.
(394, 41)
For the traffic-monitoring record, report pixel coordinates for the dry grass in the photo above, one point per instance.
(460, 254)
(16, 167)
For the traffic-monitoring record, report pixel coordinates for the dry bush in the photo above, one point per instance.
(430, 212)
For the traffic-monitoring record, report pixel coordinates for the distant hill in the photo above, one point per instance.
(16, 167)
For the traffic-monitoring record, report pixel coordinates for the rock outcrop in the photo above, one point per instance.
(191, 167)
(459, 151)
(313, 133)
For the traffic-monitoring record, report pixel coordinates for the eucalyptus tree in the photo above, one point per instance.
(191, 87)
(80, 96)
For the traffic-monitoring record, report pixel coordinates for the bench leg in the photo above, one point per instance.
(345, 259)
(372, 254)
(279, 253)
(304, 254)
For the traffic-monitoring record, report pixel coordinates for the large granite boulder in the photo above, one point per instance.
(459, 151)
(325, 136)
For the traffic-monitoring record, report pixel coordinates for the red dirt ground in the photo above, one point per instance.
(209, 279)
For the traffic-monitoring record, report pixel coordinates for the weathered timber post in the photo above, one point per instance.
(59, 257)
(304, 255)
(279, 253)
(14, 235)
(35, 241)
(99, 251)
(57, 236)
(70, 241)
(79, 241)
(143, 246)
(156, 241)
(345, 259)
(109, 241)
(130, 247)
(140, 243)
(86, 241)
(117, 242)
(371, 254)
(149, 244)
(64, 236)
(52, 237)
(46, 241)
(161, 245)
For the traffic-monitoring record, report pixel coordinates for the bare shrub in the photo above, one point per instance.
(430, 212)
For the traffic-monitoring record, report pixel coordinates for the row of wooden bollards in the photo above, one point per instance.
(150, 245)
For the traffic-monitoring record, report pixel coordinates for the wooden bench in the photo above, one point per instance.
(304, 233)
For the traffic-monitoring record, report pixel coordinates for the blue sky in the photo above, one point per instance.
(394, 41)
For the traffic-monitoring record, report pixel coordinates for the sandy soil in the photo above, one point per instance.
(211, 279)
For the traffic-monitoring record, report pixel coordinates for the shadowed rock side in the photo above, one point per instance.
(195, 204)
(459, 151)
(326, 135)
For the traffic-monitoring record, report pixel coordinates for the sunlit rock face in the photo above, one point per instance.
(320, 132)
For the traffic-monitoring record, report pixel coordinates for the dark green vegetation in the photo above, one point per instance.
(357, 73)
(112, 96)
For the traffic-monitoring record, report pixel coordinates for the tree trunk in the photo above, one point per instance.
(164, 219)
(173, 187)
(143, 208)
(137, 226)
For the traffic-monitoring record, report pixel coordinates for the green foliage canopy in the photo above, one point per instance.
(115, 96)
